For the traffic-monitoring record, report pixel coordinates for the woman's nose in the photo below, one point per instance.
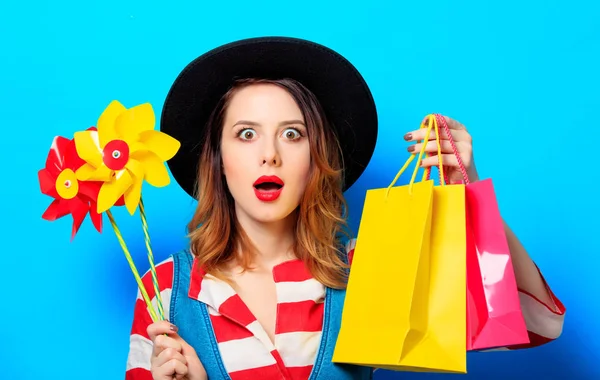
(271, 154)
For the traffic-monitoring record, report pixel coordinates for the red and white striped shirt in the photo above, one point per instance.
(248, 353)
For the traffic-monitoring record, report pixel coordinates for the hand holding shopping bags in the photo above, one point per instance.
(405, 306)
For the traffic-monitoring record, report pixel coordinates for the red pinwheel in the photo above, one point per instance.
(71, 196)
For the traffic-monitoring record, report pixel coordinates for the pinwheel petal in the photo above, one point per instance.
(55, 159)
(89, 190)
(137, 146)
(133, 195)
(159, 143)
(120, 201)
(96, 218)
(89, 173)
(135, 120)
(88, 147)
(76, 224)
(47, 183)
(79, 210)
(72, 160)
(106, 122)
(155, 172)
(77, 206)
(111, 191)
(85, 172)
(57, 209)
(135, 167)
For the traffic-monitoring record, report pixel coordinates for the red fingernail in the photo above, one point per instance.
(173, 328)
(408, 136)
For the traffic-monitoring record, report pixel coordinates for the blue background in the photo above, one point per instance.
(523, 77)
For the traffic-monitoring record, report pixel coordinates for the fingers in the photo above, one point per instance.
(170, 369)
(421, 134)
(452, 124)
(167, 361)
(457, 131)
(163, 342)
(432, 147)
(159, 334)
(186, 349)
(448, 160)
(160, 328)
(463, 144)
(167, 355)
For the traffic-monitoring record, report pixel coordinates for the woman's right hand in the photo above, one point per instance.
(172, 357)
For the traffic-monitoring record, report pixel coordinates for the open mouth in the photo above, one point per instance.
(268, 186)
(268, 183)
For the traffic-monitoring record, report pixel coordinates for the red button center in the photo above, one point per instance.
(115, 154)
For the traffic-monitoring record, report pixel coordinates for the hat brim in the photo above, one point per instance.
(337, 84)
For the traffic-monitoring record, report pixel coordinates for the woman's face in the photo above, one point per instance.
(265, 152)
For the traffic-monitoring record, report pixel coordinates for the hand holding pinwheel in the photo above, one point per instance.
(106, 166)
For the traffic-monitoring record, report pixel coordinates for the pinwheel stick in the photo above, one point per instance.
(132, 266)
(151, 259)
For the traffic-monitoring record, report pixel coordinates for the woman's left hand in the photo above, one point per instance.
(464, 145)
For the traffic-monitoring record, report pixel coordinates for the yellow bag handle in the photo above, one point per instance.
(427, 171)
(461, 166)
(432, 122)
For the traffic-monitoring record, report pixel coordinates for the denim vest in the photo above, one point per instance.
(192, 319)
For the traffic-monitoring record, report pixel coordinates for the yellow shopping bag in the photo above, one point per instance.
(405, 307)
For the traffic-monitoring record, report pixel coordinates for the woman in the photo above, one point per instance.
(273, 130)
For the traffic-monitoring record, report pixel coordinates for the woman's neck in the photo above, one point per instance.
(273, 241)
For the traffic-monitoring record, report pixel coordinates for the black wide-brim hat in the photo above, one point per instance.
(337, 84)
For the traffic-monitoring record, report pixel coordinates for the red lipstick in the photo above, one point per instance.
(268, 188)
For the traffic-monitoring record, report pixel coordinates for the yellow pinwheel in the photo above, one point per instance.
(124, 151)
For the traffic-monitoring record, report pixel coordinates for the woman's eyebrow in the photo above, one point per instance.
(253, 123)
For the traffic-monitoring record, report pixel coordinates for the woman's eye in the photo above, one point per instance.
(247, 134)
(292, 134)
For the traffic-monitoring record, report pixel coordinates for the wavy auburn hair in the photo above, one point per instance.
(217, 237)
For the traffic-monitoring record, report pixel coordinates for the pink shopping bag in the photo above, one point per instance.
(494, 316)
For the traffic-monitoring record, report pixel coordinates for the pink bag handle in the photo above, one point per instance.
(442, 120)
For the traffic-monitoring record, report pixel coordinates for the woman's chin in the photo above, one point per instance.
(268, 213)
(273, 216)
(254, 210)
